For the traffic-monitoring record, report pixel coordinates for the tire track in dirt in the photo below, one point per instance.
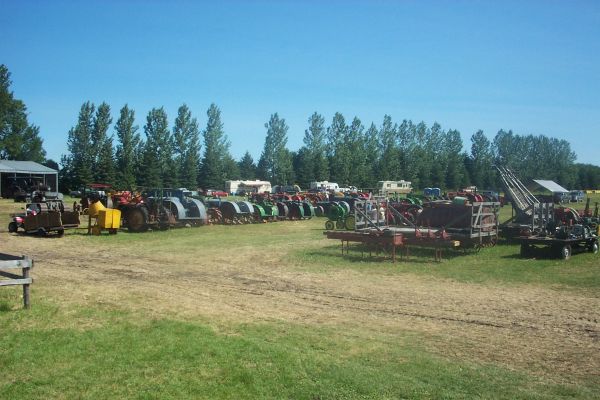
(536, 329)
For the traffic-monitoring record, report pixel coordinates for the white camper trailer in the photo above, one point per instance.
(325, 185)
(390, 187)
(238, 187)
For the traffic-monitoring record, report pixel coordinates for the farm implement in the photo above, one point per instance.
(539, 225)
(369, 223)
(562, 230)
(42, 218)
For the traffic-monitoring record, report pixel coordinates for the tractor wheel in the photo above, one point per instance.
(339, 224)
(137, 219)
(565, 252)
(13, 227)
(525, 250)
(594, 247)
(350, 223)
(329, 225)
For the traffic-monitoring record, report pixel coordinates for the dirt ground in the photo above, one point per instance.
(550, 333)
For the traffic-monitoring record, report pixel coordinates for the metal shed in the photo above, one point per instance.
(25, 174)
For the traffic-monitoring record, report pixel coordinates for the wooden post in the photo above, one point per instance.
(26, 301)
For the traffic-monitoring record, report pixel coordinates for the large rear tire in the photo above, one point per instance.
(13, 227)
(137, 219)
(525, 250)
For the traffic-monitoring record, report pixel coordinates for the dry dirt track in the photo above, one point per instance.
(547, 332)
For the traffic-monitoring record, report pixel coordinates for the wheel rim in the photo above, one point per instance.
(566, 252)
(350, 223)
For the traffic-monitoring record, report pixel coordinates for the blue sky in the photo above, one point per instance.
(533, 67)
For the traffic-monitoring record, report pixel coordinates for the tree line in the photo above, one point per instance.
(344, 151)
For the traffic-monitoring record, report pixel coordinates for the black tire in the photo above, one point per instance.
(565, 252)
(525, 250)
(60, 232)
(13, 227)
(137, 219)
(329, 225)
(594, 247)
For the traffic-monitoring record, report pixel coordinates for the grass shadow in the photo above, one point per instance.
(5, 306)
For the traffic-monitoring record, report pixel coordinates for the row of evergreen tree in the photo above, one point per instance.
(345, 152)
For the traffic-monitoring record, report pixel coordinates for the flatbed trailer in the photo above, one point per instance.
(560, 247)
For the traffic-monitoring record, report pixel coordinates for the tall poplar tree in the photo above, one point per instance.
(389, 165)
(358, 170)
(338, 150)
(455, 170)
(371, 157)
(158, 153)
(79, 143)
(315, 156)
(422, 157)
(275, 162)
(126, 156)
(437, 157)
(216, 147)
(481, 161)
(103, 169)
(186, 147)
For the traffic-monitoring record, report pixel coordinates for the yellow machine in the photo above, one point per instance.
(103, 218)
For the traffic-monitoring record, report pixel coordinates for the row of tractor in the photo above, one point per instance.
(166, 208)
(157, 209)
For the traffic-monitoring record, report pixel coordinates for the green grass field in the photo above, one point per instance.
(275, 311)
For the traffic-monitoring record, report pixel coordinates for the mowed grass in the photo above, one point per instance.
(499, 265)
(68, 351)
(129, 356)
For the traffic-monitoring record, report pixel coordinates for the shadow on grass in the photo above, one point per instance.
(51, 235)
(513, 256)
(545, 253)
(5, 306)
